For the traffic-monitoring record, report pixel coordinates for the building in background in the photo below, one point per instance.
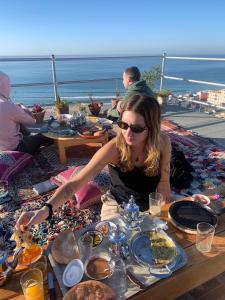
(202, 95)
(216, 97)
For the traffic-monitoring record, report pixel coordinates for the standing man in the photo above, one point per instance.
(134, 85)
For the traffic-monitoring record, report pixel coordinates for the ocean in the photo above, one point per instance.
(40, 71)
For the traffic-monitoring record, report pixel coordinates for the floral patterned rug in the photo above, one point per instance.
(205, 156)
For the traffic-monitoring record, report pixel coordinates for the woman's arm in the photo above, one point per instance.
(107, 154)
(22, 115)
(165, 157)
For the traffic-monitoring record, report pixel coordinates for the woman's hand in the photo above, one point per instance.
(164, 189)
(32, 217)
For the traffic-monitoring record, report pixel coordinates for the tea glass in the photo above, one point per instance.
(85, 248)
(32, 284)
(155, 201)
(204, 237)
(41, 264)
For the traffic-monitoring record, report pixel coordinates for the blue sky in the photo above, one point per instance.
(112, 27)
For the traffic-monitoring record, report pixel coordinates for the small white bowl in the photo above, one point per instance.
(201, 199)
(73, 273)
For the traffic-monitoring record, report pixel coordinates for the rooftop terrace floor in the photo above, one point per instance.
(205, 125)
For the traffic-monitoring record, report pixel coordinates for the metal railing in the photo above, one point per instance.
(163, 76)
(55, 83)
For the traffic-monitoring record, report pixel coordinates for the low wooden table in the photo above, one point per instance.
(63, 143)
(199, 269)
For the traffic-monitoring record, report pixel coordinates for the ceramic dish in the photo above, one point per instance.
(105, 227)
(27, 257)
(154, 248)
(98, 267)
(96, 236)
(185, 215)
(73, 273)
(91, 134)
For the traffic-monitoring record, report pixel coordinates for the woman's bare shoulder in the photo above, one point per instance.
(108, 153)
(164, 139)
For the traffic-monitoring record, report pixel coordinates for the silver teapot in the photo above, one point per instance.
(6, 267)
(118, 243)
(130, 214)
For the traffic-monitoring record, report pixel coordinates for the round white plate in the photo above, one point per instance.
(73, 273)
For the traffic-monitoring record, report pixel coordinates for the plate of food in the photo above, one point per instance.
(93, 132)
(105, 227)
(156, 250)
(31, 252)
(98, 267)
(95, 235)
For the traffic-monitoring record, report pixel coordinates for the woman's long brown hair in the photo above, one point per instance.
(150, 110)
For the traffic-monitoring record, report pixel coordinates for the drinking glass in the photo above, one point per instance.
(204, 237)
(85, 247)
(155, 200)
(118, 278)
(32, 285)
(41, 264)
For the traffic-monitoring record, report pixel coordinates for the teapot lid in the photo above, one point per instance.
(117, 236)
(131, 206)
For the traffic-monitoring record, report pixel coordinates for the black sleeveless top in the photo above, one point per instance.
(134, 182)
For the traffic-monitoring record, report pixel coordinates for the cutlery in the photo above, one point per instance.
(135, 280)
(51, 288)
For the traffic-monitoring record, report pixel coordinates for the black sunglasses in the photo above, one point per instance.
(134, 128)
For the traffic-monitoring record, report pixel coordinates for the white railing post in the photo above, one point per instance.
(54, 77)
(162, 70)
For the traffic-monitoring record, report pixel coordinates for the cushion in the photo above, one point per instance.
(11, 162)
(91, 192)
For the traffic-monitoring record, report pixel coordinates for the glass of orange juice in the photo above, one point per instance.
(32, 284)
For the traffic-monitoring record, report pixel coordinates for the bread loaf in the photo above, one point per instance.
(91, 290)
(65, 248)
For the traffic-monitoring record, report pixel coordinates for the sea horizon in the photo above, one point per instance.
(114, 55)
(92, 71)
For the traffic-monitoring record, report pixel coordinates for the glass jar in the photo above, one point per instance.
(118, 278)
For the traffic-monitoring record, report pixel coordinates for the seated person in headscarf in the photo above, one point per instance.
(12, 118)
(134, 85)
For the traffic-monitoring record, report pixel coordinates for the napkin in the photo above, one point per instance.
(43, 187)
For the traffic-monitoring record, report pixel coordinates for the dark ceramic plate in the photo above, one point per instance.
(185, 215)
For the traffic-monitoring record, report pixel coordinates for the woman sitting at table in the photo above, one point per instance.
(138, 160)
(13, 118)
